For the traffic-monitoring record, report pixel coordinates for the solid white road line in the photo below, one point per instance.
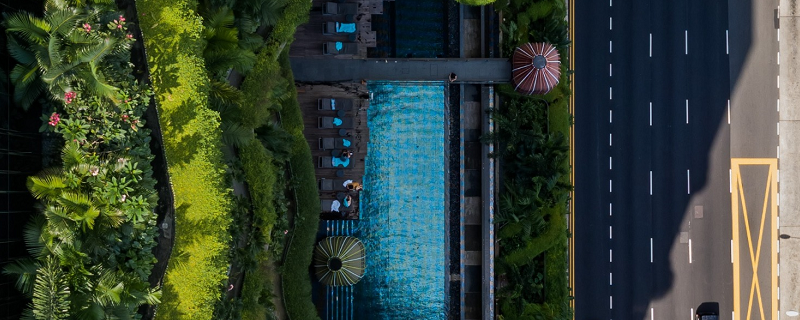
(651, 45)
(729, 111)
(610, 279)
(690, 250)
(651, 182)
(609, 116)
(686, 41)
(687, 111)
(727, 50)
(651, 114)
(609, 209)
(688, 184)
(651, 250)
(609, 139)
(731, 250)
(609, 232)
(651, 313)
(609, 163)
(610, 24)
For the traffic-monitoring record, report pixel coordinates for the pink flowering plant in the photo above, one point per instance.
(105, 160)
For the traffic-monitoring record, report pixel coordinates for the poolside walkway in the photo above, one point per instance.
(478, 70)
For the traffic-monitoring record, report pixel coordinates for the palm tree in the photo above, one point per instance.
(55, 53)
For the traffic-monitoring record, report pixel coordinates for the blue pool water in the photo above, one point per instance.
(403, 204)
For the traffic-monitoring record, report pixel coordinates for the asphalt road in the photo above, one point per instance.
(653, 145)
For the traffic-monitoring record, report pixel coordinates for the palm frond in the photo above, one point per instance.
(51, 292)
(25, 272)
(31, 28)
(94, 54)
(95, 82)
(71, 154)
(21, 53)
(234, 134)
(32, 234)
(27, 85)
(49, 183)
(62, 21)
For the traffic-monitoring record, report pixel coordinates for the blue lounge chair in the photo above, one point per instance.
(335, 123)
(331, 27)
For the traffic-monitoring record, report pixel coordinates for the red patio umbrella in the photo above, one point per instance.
(536, 68)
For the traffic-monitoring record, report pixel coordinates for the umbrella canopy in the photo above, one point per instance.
(339, 261)
(536, 68)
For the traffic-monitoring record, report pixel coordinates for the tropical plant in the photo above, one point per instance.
(69, 46)
(477, 2)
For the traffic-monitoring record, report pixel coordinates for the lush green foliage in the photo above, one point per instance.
(477, 2)
(93, 241)
(173, 35)
(532, 147)
(296, 281)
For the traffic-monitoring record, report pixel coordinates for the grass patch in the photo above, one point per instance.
(172, 33)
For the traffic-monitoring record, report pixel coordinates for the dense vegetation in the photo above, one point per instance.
(91, 246)
(231, 39)
(173, 36)
(531, 141)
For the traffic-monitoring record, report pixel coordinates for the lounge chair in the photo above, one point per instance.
(331, 104)
(326, 205)
(331, 27)
(327, 162)
(330, 123)
(334, 143)
(337, 48)
(332, 185)
(330, 8)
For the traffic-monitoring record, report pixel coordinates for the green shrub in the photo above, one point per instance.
(172, 33)
(476, 2)
(260, 174)
(257, 292)
(296, 281)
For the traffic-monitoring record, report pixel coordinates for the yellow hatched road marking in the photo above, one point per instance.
(737, 196)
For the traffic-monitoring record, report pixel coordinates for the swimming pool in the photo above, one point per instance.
(403, 204)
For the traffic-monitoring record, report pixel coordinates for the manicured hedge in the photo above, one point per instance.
(296, 281)
(257, 292)
(172, 32)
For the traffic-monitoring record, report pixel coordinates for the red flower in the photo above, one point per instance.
(121, 19)
(54, 119)
(87, 27)
(129, 36)
(124, 117)
(68, 96)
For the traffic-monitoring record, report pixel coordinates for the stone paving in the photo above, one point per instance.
(789, 161)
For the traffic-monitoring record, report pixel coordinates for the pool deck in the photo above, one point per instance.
(307, 97)
(475, 70)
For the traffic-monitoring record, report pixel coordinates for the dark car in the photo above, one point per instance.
(709, 315)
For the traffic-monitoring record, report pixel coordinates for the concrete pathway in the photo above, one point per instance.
(353, 70)
(789, 161)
